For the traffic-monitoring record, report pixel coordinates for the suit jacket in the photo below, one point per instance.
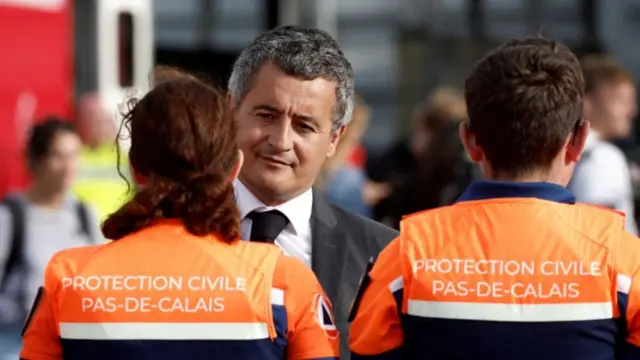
(342, 244)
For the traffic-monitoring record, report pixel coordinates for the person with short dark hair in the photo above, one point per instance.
(603, 177)
(403, 163)
(523, 100)
(40, 221)
(441, 170)
(515, 269)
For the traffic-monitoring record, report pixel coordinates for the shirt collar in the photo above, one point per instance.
(297, 210)
(482, 190)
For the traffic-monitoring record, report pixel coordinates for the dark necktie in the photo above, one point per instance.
(267, 225)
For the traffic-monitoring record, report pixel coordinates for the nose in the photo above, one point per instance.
(280, 136)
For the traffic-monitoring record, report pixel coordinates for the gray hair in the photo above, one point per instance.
(301, 52)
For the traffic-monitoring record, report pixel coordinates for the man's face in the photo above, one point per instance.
(285, 130)
(613, 108)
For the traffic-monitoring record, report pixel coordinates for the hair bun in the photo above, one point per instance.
(183, 144)
(210, 205)
(204, 180)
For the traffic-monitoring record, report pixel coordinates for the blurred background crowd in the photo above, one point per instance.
(67, 65)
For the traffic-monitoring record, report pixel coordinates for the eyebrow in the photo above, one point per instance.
(307, 118)
(271, 108)
(266, 107)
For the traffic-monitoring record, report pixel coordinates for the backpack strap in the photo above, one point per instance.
(16, 238)
(83, 217)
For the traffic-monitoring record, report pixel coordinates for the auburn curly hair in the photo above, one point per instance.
(183, 147)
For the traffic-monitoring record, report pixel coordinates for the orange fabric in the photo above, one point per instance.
(302, 293)
(42, 339)
(209, 281)
(459, 257)
(376, 328)
(511, 252)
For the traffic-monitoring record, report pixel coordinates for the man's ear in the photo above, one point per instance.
(335, 139)
(236, 168)
(576, 142)
(469, 142)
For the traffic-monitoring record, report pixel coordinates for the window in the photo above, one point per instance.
(85, 50)
(125, 49)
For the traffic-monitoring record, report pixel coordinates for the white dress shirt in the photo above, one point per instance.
(602, 178)
(295, 239)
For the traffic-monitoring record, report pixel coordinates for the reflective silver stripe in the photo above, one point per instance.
(277, 296)
(511, 312)
(164, 331)
(623, 283)
(396, 284)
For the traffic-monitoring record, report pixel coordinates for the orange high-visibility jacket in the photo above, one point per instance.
(163, 293)
(514, 271)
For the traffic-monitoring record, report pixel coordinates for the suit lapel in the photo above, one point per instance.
(329, 250)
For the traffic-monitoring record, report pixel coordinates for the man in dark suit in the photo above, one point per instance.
(292, 95)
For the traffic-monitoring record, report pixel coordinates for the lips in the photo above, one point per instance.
(275, 160)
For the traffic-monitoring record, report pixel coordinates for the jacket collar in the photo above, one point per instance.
(482, 190)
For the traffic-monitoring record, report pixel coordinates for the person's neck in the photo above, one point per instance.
(267, 198)
(43, 197)
(528, 178)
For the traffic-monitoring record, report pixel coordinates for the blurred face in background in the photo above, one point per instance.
(419, 137)
(57, 169)
(95, 124)
(285, 130)
(442, 106)
(611, 109)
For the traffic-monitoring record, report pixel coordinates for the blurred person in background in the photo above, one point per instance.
(292, 94)
(99, 182)
(36, 224)
(441, 175)
(395, 167)
(342, 178)
(602, 176)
